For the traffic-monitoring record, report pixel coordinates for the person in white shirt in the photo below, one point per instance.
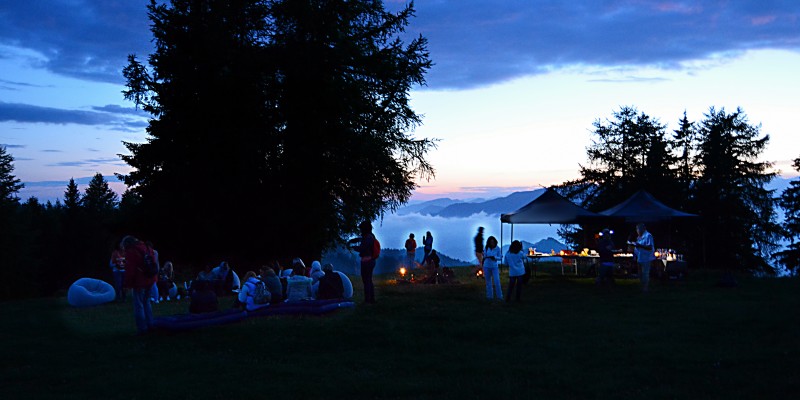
(644, 247)
(516, 269)
(491, 271)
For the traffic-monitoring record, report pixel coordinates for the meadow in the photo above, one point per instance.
(568, 339)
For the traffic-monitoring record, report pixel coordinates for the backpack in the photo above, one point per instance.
(149, 267)
(260, 293)
(376, 248)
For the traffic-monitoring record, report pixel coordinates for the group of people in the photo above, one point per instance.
(429, 254)
(489, 257)
(271, 285)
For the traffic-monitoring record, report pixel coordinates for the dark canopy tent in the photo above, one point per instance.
(643, 207)
(549, 208)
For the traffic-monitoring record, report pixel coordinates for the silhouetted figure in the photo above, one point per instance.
(427, 244)
(479, 245)
(138, 281)
(411, 251)
(365, 245)
(605, 249)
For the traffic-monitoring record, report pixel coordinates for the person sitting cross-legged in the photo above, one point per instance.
(330, 284)
(298, 288)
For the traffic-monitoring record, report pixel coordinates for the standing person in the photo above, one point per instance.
(644, 246)
(117, 264)
(138, 281)
(411, 251)
(365, 245)
(479, 246)
(516, 269)
(491, 269)
(605, 249)
(427, 242)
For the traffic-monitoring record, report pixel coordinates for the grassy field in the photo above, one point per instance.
(567, 340)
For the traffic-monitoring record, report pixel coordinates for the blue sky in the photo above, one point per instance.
(512, 97)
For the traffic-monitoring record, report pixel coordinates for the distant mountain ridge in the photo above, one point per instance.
(449, 208)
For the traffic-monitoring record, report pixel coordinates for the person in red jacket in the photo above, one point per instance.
(140, 284)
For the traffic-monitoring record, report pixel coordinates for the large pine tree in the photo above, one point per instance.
(737, 211)
(277, 125)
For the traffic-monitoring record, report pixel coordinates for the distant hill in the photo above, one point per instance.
(427, 207)
(497, 206)
(390, 260)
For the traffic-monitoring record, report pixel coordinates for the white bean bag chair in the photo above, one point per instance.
(236, 282)
(154, 293)
(348, 286)
(86, 292)
(173, 291)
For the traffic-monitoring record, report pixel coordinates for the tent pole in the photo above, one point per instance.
(501, 236)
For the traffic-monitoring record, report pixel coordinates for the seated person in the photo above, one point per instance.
(254, 293)
(299, 267)
(165, 278)
(316, 272)
(222, 278)
(273, 284)
(203, 298)
(298, 288)
(330, 284)
(433, 260)
(206, 274)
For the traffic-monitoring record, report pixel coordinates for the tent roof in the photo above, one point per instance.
(549, 208)
(642, 206)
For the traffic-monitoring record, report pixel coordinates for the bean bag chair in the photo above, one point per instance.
(87, 292)
(182, 322)
(348, 286)
(173, 291)
(236, 282)
(154, 293)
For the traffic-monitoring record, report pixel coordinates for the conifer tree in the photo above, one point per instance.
(737, 210)
(9, 184)
(72, 196)
(99, 198)
(289, 125)
(790, 203)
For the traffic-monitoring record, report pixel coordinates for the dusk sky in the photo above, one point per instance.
(512, 96)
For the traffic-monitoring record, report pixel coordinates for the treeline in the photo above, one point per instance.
(711, 168)
(45, 247)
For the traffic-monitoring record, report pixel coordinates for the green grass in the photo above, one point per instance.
(568, 339)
